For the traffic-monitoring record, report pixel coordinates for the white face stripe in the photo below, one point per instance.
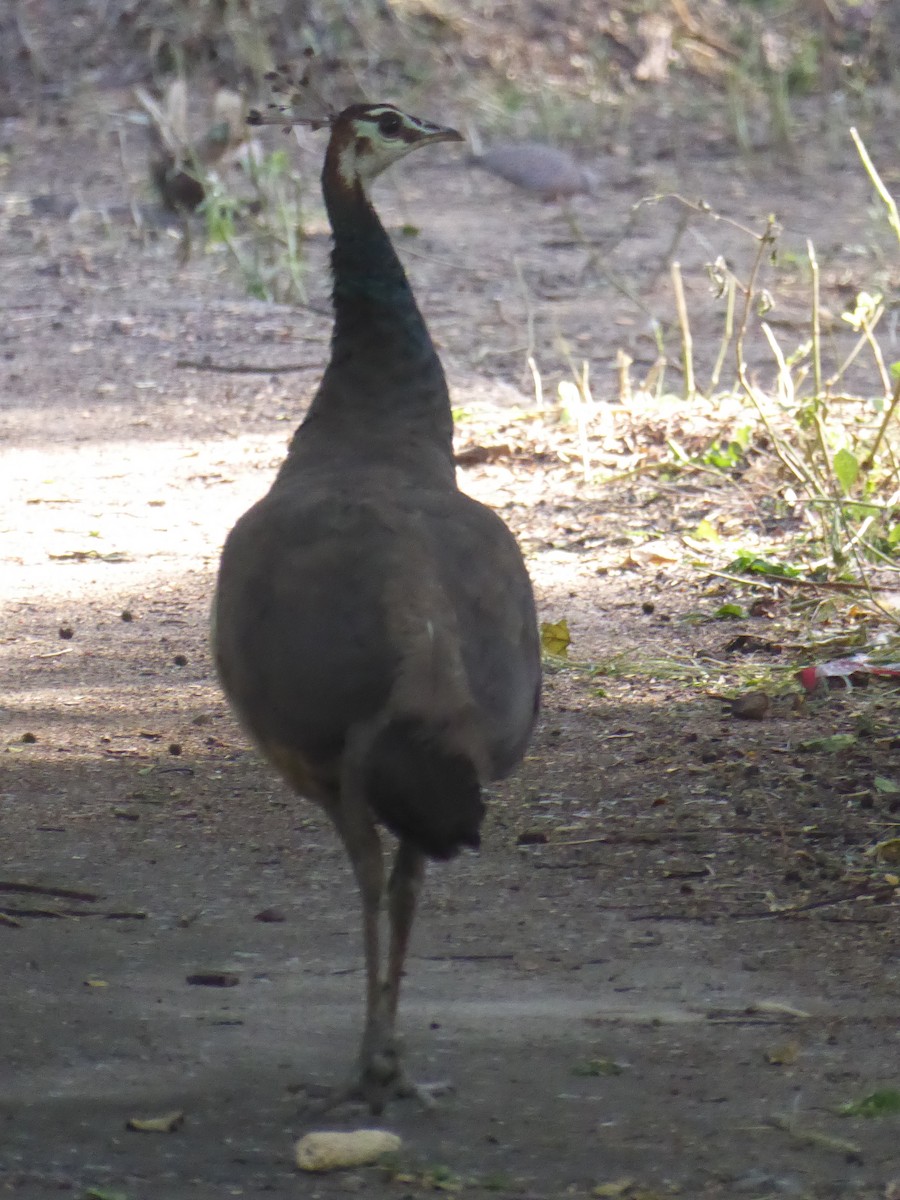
(379, 149)
(376, 112)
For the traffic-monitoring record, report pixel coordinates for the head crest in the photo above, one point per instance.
(298, 97)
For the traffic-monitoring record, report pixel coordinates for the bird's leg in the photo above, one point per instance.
(403, 892)
(380, 1076)
(368, 867)
(377, 1060)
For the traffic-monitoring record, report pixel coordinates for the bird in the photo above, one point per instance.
(181, 165)
(546, 172)
(374, 628)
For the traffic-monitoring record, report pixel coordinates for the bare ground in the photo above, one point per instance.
(675, 957)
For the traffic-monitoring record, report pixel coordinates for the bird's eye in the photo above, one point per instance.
(389, 124)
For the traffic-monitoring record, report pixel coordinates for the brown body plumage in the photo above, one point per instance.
(374, 627)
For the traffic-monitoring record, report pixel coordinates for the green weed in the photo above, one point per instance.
(263, 228)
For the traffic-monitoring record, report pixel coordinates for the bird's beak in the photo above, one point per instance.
(436, 133)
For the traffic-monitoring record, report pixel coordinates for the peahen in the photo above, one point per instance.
(374, 628)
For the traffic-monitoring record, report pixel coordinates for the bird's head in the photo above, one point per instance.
(367, 138)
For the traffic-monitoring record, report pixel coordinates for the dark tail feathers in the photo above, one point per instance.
(424, 793)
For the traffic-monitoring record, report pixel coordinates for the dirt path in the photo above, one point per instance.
(673, 960)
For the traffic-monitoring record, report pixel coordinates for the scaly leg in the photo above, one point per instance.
(403, 892)
(380, 1076)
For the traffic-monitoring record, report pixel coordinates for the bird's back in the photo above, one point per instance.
(346, 594)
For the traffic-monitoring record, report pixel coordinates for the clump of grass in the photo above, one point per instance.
(836, 450)
(263, 227)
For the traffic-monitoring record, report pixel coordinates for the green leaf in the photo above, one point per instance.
(867, 305)
(831, 745)
(894, 536)
(103, 1194)
(882, 784)
(724, 457)
(857, 511)
(498, 1182)
(846, 469)
(555, 639)
(894, 369)
(278, 162)
(752, 564)
(726, 612)
(883, 1103)
(596, 1067)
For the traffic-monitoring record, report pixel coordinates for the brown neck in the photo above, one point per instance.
(382, 357)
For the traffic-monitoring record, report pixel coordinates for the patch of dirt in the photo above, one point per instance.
(676, 955)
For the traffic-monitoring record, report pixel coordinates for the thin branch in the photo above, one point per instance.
(766, 239)
(815, 322)
(892, 408)
(731, 292)
(886, 198)
(206, 364)
(701, 206)
(38, 889)
(684, 324)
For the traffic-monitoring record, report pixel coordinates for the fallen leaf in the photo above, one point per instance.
(783, 1056)
(813, 1137)
(441, 1179)
(886, 785)
(96, 983)
(555, 639)
(656, 553)
(883, 1103)
(657, 32)
(613, 1189)
(779, 1008)
(730, 612)
(706, 532)
(831, 745)
(596, 1067)
(166, 1123)
(887, 851)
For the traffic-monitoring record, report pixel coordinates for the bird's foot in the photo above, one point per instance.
(379, 1079)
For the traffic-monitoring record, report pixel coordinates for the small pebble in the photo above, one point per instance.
(213, 979)
(270, 916)
(754, 706)
(532, 837)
